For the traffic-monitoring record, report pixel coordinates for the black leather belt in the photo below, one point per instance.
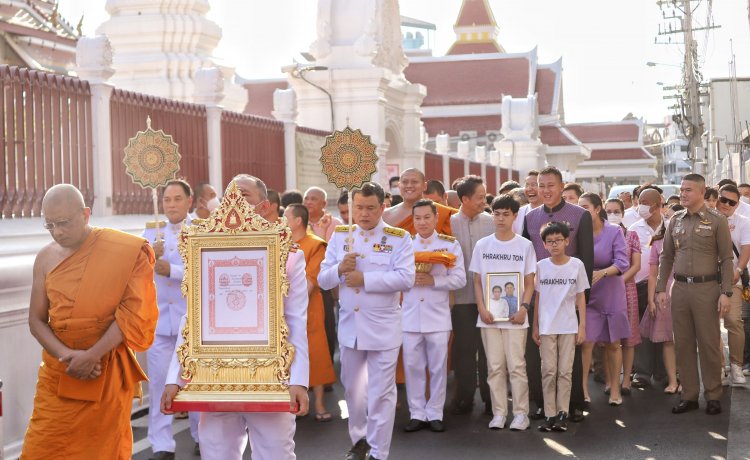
(695, 279)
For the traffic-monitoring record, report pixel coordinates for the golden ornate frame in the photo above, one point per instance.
(235, 377)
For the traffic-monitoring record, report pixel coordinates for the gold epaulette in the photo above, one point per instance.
(394, 231)
(446, 237)
(152, 224)
(342, 228)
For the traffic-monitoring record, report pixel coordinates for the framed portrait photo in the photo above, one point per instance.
(502, 294)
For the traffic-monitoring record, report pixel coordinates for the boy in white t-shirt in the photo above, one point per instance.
(560, 284)
(505, 341)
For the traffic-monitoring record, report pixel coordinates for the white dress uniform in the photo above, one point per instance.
(427, 329)
(224, 435)
(172, 307)
(369, 329)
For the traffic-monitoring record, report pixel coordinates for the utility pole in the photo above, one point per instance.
(690, 118)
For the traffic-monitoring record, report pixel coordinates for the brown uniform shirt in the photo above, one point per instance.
(694, 244)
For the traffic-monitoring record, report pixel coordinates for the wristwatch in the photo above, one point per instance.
(525, 305)
(728, 293)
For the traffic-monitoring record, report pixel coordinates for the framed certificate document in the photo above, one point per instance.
(502, 291)
(236, 356)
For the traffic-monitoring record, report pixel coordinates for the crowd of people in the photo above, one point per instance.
(533, 289)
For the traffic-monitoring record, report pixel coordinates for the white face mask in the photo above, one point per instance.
(644, 212)
(395, 191)
(212, 204)
(614, 219)
(745, 199)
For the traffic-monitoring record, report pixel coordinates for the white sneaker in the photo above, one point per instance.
(497, 422)
(520, 422)
(735, 371)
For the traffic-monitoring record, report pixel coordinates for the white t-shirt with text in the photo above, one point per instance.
(491, 255)
(556, 287)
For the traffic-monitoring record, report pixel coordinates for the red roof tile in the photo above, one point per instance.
(452, 125)
(260, 96)
(470, 81)
(475, 12)
(545, 88)
(475, 48)
(553, 137)
(591, 133)
(619, 154)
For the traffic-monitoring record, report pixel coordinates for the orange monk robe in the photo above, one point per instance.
(321, 366)
(443, 225)
(109, 278)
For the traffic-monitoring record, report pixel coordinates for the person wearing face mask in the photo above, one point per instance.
(631, 214)
(206, 200)
(648, 361)
(615, 209)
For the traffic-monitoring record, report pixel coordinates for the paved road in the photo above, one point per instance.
(642, 428)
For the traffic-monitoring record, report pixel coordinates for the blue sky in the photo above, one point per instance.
(605, 44)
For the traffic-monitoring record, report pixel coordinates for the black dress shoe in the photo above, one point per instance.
(162, 455)
(359, 450)
(437, 426)
(576, 416)
(462, 407)
(538, 414)
(371, 458)
(685, 406)
(414, 425)
(713, 407)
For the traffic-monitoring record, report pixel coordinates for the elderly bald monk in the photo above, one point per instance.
(89, 314)
(413, 185)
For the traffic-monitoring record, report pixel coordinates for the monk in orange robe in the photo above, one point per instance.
(93, 302)
(412, 185)
(321, 364)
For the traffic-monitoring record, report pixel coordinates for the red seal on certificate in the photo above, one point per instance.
(224, 280)
(247, 280)
(236, 300)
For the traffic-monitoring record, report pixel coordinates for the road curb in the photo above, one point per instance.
(738, 437)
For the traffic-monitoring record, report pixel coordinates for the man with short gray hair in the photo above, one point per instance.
(321, 223)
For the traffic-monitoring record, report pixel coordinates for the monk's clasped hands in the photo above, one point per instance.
(82, 364)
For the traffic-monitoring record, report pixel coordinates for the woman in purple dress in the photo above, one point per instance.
(606, 311)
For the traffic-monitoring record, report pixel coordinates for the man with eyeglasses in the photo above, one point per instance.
(224, 435)
(739, 227)
(92, 304)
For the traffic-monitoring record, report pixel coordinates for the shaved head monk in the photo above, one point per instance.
(93, 302)
(413, 185)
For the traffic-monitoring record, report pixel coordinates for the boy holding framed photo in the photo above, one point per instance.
(503, 259)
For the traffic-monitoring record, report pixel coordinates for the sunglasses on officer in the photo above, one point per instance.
(729, 201)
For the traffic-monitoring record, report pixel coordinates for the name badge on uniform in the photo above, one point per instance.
(702, 226)
(382, 248)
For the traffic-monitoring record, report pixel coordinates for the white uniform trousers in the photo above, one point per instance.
(159, 425)
(426, 351)
(369, 379)
(224, 435)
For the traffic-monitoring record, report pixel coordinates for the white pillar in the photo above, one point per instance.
(442, 144)
(285, 110)
(209, 90)
(480, 153)
(94, 63)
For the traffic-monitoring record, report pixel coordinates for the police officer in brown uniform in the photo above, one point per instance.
(696, 242)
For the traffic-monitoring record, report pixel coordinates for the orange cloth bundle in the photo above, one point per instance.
(427, 257)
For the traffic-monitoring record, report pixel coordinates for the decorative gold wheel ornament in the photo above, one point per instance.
(151, 157)
(348, 158)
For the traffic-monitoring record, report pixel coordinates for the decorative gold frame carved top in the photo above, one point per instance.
(235, 372)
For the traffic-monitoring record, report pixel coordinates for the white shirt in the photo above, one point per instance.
(743, 209)
(518, 223)
(557, 287)
(739, 228)
(370, 315)
(630, 217)
(468, 232)
(425, 308)
(645, 232)
(505, 258)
